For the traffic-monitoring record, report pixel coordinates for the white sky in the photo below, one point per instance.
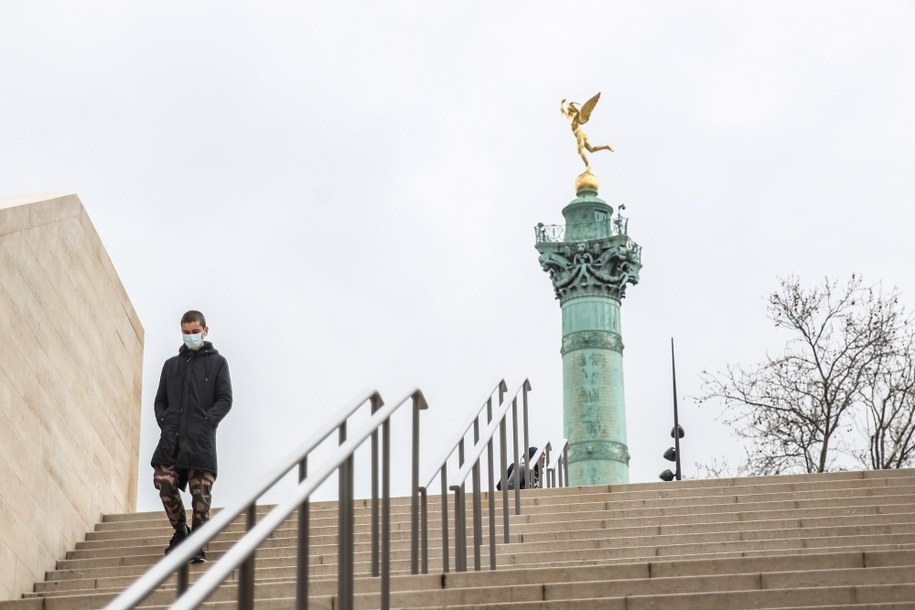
(348, 190)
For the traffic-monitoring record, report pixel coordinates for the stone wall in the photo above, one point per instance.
(71, 355)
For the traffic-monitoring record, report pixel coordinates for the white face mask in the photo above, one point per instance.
(193, 341)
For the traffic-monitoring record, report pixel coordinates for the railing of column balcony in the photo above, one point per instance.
(241, 554)
(558, 234)
(612, 227)
(496, 420)
(559, 466)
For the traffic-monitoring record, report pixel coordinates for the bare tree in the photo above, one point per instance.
(889, 419)
(845, 375)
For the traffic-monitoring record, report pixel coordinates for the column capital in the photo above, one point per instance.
(595, 267)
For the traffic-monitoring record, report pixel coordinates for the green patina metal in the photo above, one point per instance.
(591, 261)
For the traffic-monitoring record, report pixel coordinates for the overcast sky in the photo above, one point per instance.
(348, 190)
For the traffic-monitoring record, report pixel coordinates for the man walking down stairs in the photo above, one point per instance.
(838, 540)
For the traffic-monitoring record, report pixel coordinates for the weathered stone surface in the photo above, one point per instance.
(71, 349)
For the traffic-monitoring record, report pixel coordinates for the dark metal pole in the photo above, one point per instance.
(676, 430)
(444, 506)
(415, 518)
(424, 529)
(477, 516)
(246, 573)
(386, 515)
(183, 577)
(345, 529)
(375, 507)
(503, 450)
(460, 529)
(301, 586)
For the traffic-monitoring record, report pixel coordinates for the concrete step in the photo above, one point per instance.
(863, 597)
(599, 528)
(698, 504)
(560, 557)
(885, 524)
(673, 603)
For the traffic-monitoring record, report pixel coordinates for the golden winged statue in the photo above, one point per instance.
(578, 117)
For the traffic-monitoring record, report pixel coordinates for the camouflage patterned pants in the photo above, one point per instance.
(200, 483)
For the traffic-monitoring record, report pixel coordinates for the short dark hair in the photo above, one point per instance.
(193, 316)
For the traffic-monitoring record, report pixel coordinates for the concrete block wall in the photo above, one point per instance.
(71, 355)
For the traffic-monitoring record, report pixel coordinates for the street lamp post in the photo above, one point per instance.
(673, 453)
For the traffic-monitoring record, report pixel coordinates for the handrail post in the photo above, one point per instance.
(386, 515)
(444, 507)
(460, 529)
(424, 525)
(565, 466)
(345, 530)
(461, 465)
(546, 461)
(375, 514)
(516, 469)
(491, 495)
(301, 566)
(183, 577)
(529, 470)
(414, 495)
(504, 452)
(246, 576)
(477, 517)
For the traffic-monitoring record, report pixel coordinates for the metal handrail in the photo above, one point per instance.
(420, 505)
(473, 422)
(241, 555)
(469, 465)
(560, 467)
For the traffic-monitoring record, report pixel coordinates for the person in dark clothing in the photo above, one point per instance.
(534, 474)
(195, 393)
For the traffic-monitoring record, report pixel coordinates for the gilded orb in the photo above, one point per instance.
(586, 182)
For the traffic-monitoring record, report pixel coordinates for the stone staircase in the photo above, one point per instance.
(837, 540)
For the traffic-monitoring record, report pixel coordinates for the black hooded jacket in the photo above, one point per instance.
(195, 393)
(535, 472)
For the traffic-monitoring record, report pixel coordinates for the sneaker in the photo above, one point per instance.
(181, 532)
(200, 557)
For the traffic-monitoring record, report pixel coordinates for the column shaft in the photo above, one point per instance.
(594, 412)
